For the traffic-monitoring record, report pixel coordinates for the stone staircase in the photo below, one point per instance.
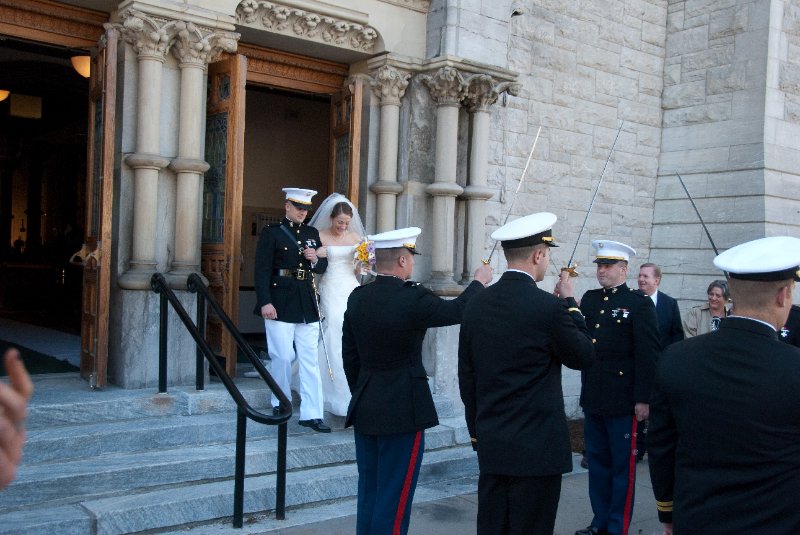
(123, 461)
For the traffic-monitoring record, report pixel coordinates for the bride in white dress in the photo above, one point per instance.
(340, 231)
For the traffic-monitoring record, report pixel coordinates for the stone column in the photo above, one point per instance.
(447, 89)
(389, 85)
(151, 39)
(482, 92)
(193, 49)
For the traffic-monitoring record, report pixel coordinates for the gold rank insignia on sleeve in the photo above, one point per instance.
(664, 507)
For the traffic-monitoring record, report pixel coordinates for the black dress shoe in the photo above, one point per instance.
(591, 531)
(316, 424)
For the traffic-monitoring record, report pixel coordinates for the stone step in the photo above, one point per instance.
(67, 481)
(127, 436)
(315, 513)
(197, 418)
(52, 408)
(204, 501)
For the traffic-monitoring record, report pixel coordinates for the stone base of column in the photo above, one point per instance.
(133, 344)
(136, 279)
(176, 279)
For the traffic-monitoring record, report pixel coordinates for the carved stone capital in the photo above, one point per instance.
(150, 36)
(295, 22)
(199, 46)
(482, 91)
(389, 84)
(446, 86)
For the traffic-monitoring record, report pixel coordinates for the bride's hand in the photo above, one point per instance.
(322, 252)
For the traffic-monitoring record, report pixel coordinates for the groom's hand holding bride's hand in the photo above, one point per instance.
(310, 254)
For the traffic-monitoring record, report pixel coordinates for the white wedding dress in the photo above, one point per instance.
(335, 286)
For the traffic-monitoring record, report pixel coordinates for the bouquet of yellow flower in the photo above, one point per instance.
(365, 255)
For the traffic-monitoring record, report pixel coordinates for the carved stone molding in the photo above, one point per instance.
(199, 46)
(417, 5)
(389, 84)
(293, 71)
(297, 22)
(151, 37)
(54, 23)
(446, 86)
(482, 91)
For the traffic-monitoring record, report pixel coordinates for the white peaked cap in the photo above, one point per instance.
(532, 229)
(611, 252)
(299, 195)
(402, 237)
(765, 259)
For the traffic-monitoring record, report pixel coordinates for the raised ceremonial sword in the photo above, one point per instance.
(571, 268)
(703, 223)
(521, 180)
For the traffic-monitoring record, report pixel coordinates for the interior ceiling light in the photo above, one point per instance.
(4, 94)
(82, 65)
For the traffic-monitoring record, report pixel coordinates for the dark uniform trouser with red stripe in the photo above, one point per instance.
(388, 466)
(610, 450)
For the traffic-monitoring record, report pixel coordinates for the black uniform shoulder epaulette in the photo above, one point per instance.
(411, 284)
(593, 291)
(638, 292)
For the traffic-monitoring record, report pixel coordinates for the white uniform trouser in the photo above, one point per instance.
(305, 336)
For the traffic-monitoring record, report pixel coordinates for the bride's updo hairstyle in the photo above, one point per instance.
(341, 208)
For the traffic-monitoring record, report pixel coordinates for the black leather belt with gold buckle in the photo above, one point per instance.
(299, 274)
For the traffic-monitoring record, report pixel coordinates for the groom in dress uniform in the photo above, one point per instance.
(724, 441)
(384, 325)
(615, 392)
(514, 339)
(286, 260)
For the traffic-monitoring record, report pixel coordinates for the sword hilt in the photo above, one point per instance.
(572, 270)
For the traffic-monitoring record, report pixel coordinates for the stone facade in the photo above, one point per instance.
(456, 93)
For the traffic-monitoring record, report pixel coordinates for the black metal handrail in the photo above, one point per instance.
(244, 411)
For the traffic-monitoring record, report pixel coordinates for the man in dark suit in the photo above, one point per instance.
(791, 331)
(616, 390)
(286, 260)
(670, 328)
(513, 340)
(724, 421)
(384, 325)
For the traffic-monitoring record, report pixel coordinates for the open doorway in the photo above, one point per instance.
(287, 144)
(43, 151)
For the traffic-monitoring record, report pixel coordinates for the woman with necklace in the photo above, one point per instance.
(705, 318)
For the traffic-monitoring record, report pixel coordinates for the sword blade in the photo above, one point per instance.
(519, 186)
(591, 204)
(696, 211)
(321, 329)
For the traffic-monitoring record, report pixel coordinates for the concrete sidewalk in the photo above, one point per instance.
(456, 515)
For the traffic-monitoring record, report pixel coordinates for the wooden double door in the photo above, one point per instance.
(226, 116)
